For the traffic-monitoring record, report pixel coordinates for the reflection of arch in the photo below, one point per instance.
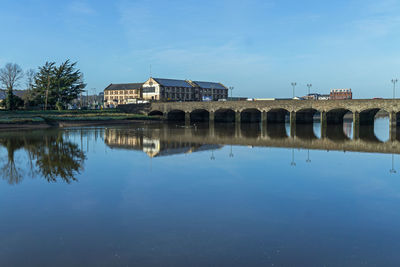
(176, 115)
(250, 130)
(250, 115)
(224, 115)
(336, 133)
(305, 115)
(336, 116)
(305, 131)
(199, 115)
(156, 113)
(367, 116)
(367, 133)
(276, 130)
(226, 130)
(277, 115)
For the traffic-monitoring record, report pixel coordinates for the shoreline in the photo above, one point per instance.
(71, 123)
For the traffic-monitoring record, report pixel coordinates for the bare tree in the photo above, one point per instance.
(29, 82)
(10, 76)
(30, 78)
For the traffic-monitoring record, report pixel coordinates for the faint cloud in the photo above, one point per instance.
(379, 26)
(82, 8)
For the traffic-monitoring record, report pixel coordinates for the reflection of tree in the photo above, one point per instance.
(48, 155)
(9, 171)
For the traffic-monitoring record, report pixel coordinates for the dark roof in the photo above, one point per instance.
(124, 86)
(173, 83)
(19, 93)
(2, 94)
(210, 85)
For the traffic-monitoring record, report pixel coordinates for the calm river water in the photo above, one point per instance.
(166, 195)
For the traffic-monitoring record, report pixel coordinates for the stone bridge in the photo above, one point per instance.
(277, 111)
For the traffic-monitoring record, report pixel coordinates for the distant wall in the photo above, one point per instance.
(135, 108)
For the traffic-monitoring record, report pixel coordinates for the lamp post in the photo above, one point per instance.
(308, 160)
(293, 163)
(392, 170)
(394, 81)
(294, 85)
(231, 88)
(231, 153)
(309, 86)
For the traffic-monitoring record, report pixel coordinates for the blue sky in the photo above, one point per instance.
(259, 47)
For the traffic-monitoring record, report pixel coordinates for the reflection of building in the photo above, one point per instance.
(341, 94)
(122, 93)
(122, 139)
(183, 90)
(153, 147)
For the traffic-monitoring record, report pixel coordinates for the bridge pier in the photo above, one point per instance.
(211, 117)
(292, 124)
(324, 124)
(392, 126)
(237, 117)
(264, 121)
(187, 118)
(165, 116)
(211, 129)
(356, 125)
(264, 118)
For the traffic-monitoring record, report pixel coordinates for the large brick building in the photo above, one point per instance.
(341, 94)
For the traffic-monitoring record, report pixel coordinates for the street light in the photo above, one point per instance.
(392, 170)
(293, 163)
(394, 81)
(309, 86)
(308, 160)
(231, 88)
(294, 85)
(231, 153)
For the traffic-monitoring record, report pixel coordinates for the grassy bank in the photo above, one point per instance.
(53, 116)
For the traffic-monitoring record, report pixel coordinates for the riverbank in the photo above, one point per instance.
(46, 119)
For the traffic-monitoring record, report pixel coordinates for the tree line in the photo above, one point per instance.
(48, 87)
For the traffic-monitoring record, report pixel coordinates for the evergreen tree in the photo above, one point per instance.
(56, 87)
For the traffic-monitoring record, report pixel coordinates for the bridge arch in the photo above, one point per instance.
(199, 115)
(250, 115)
(155, 113)
(224, 115)
(176, 115)
(306, 115)
(336, 115)
(277, 115)
(373, 121)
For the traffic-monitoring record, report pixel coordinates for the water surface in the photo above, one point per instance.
(166, 195)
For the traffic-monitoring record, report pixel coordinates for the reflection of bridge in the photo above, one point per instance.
(276, 111)
(274, 135)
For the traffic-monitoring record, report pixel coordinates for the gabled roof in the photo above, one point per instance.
(210, 85)
(172, 82)
(124, 86)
